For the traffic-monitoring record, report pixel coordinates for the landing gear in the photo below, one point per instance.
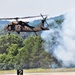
(9, 32)
(18, 32)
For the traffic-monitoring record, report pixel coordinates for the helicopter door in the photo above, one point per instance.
(12, 27)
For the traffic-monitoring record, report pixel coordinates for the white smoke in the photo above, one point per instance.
(64, 44)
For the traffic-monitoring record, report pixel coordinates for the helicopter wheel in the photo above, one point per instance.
(18, 32)
(9, 33)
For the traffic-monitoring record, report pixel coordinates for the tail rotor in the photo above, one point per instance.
(44, 19)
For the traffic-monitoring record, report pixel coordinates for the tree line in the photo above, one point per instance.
(19, 53)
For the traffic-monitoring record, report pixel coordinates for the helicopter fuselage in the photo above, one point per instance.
(15, 26)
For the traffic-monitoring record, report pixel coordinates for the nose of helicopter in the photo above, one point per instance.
(6, 28)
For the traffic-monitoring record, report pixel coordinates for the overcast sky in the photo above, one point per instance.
(14, 8)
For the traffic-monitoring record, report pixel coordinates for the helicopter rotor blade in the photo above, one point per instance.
(16, 18)
(30, 17)
(6, 18)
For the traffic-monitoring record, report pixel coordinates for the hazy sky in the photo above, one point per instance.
(14, 8)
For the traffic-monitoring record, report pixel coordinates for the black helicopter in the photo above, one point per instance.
(20, 26)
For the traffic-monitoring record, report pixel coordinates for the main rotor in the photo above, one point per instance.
(16, 18)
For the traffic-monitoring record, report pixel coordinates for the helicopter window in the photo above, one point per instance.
(12, 27)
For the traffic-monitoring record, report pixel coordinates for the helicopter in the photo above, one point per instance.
(21, 26)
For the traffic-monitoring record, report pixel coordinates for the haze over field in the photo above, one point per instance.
(64, 47)
(60, 39)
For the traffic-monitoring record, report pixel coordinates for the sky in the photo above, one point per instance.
(16, 8)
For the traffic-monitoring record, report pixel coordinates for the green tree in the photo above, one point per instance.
(17, 53)
(7, 40)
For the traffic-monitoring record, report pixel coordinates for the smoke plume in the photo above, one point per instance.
(60, 41)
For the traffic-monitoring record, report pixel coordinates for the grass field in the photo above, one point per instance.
(38, 70)
(51, 70)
